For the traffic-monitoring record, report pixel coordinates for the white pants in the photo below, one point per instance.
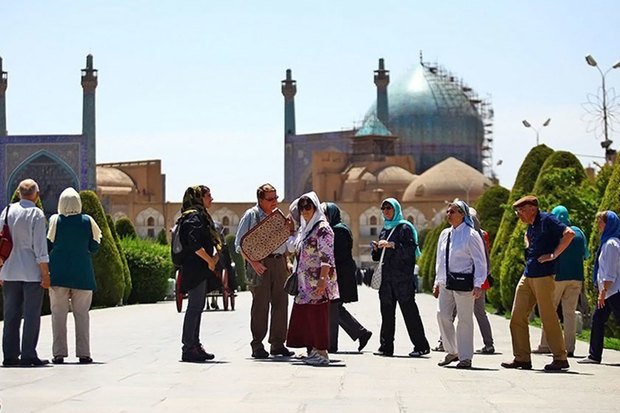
(80, 305)
(463, 342)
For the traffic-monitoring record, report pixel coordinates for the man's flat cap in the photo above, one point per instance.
(526, 200)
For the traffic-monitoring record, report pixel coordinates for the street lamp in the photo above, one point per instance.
(607, 142)
(529, 125)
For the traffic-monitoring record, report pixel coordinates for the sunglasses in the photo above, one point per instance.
(307, 207)
(384, 207)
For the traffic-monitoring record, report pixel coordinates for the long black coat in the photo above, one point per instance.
(195, 234)
(345, 265)
(398, 262)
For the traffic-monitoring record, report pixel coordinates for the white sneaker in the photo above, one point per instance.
(317, 360)
(588, 360)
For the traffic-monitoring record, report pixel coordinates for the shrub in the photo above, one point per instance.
(490, 207)
(126, 274)
(429, 257)
(162, 239)
(422, 237)
(107, 261)
(150, 266)
(125, 228)
(242, 283)
(524, 183)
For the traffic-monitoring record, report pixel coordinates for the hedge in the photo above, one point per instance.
(107, 261)
(490, 207)
(125, 228)
(242, 283)
(429, 256)
(524, 183)
(126, 274)
(162, 239)
(150, 266)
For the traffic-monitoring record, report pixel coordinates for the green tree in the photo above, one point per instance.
(237, 258)
(126, 274)
(524, 183)
(125, 228)
(490, 207)
(107, 261)
(162, 239)
(428, 259)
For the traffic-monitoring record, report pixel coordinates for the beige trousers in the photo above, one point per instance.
(461, 343)
(61, 299)
(531, 292)
(566, 292)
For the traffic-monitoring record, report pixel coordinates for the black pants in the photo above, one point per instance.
(401, 292)
(340, 317)
(599, 318)
(196, 298)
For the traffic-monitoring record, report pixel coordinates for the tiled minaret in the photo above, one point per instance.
(4, 82)
(382, 79)
(89, 85)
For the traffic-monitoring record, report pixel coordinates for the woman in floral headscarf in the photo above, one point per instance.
(398, 239)
(201, 246)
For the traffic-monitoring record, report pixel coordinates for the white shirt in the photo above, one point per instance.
(466, 252)
(608, 268)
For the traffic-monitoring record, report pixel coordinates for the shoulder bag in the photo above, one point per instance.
(6, 241)
(375, 282)
(457, 281)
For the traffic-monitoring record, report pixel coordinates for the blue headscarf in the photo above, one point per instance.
(612, 230)
(397, 219)
(464, 209)
(561, 213)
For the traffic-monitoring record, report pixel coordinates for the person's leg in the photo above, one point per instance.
(259, 312)
(334, 317)
(80, 304)
(597, 334)
(13, 298)
(279, 302)
(349, 323)
(59, 305)
(558, 293)
(483, 320)
(464, 301)
(387, 301)
(445, 309)
(522, 306)
(543, 288)
(196, 298)
(570, 298)
(411, 315)
(33, 301)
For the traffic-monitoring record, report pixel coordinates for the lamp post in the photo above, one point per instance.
(607, 142)
(529, 125)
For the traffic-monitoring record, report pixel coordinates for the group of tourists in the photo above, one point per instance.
(317, 262)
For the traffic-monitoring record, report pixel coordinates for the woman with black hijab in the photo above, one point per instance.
(347, 284)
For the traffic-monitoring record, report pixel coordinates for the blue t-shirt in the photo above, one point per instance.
(544, 236)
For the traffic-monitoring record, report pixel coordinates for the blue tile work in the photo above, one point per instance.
(72, 150)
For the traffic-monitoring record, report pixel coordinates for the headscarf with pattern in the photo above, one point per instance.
(192, 202)
(463, 208)
(398, 219)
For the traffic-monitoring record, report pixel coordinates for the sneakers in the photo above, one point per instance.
(515, 364)
(464, 364)
(419, 353)
(448, 359)
(317, 360)
(557, 365)
(260, 353)
(283, 351)
(486, 350)
(439, 347)
(588, 360)
(384, 353)
(364, 340)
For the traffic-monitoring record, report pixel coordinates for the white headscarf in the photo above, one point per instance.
(319, 215)
(69, 204)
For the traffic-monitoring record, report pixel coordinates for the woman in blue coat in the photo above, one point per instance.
(72, 237)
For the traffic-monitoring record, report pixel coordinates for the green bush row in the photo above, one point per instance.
(150, 267)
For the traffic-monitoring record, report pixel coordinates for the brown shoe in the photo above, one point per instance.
(515, 364)
(448, 359)
(557, 365)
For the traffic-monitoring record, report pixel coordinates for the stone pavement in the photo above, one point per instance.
(138, 351)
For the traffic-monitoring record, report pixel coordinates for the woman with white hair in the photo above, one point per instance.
(72, 237)
(461, 270)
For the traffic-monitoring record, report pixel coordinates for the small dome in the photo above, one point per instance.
(113, 177)
(395, 175)
(447, 180)
(373, 127)
(359, 173)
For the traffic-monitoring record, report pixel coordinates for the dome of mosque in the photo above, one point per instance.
(435, 117)
(395, 175)
(113, 181)
(448, 179)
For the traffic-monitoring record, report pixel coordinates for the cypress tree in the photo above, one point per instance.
(126, 273)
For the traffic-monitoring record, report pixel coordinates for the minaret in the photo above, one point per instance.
(382, 79)
(4, 82)
(89, 84)
(289, 89)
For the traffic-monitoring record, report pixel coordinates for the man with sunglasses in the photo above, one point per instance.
(546, 238)
(266, 280)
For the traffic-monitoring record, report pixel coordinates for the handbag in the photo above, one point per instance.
(375, 282)
(457, 281)
(291, 285)
(6, 241)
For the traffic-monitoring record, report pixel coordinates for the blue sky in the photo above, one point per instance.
(197, 83)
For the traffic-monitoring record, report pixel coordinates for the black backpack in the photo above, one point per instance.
(176, 246)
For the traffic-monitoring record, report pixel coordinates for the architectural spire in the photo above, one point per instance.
(4, 82)
(89, 84)
(289, 90)
(382, 79)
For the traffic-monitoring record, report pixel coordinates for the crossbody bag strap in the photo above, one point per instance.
(448, 254)
(383, 251)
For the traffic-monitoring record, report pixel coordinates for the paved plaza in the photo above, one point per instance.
(137, 353)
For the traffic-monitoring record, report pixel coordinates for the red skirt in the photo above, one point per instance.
(309, 326)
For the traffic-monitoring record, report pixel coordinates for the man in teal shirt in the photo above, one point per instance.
(568, 282)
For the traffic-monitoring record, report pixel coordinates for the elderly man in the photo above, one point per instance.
(266, 280)
(24, 275)
(546, 238)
